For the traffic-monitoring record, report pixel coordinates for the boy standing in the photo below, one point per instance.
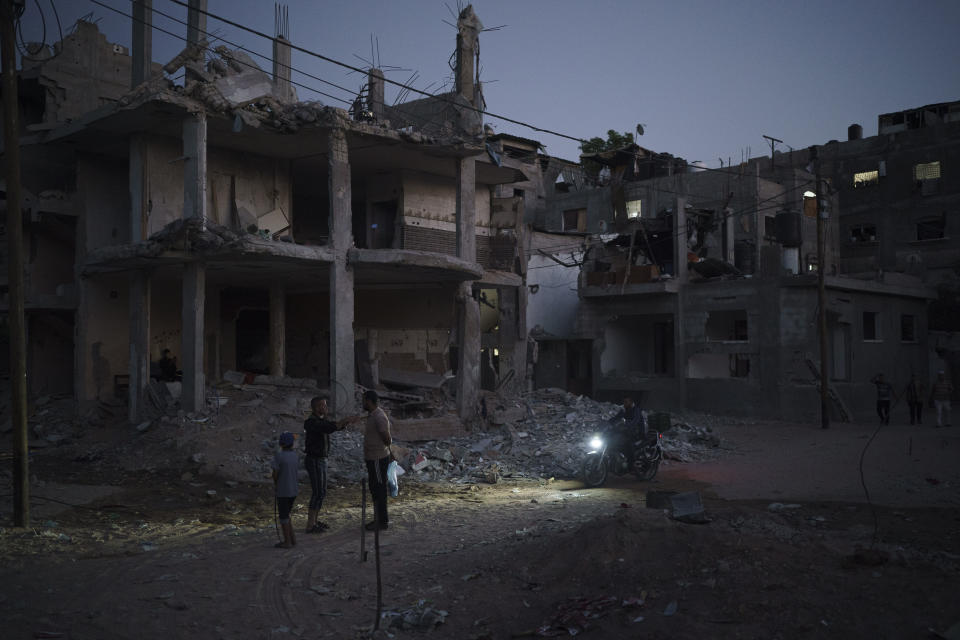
(285, 479)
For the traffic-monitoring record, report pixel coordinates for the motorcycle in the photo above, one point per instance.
(604, 458)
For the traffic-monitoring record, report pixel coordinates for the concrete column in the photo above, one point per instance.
(138, 176)
(466, 209)
(342, 374)
(139, 365)
(278, 330)
(195, 167)
(468, 308)
(196, 21)
(281, 69)
(141, 42)
(375, 93)
(194, 297)
(682, 275)
(680, 241)
(468, 369)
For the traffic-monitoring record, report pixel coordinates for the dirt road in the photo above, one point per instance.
(161, 557)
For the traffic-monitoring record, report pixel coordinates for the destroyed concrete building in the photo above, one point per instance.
(242, 230)
(698, 289)
(899, 211)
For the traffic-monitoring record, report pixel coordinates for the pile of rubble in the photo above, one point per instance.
(541, 434)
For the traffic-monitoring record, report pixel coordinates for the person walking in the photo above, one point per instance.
(914, 395)
(317, 429)
(941, 395)
(285, 480)
(884, 393)
(376, 453)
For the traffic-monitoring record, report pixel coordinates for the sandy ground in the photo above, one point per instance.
(154, 556)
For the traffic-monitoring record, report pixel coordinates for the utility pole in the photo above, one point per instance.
(822, 296)
(18, 350)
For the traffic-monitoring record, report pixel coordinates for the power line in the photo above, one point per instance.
(393, 82)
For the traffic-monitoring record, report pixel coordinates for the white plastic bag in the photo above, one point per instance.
(393, 470)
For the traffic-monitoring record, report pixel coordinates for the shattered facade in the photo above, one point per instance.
(242, 230)
(699, 290)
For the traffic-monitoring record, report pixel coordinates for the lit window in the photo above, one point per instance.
(871, 326)
(927, 171)
(865, 178)
(634, 208)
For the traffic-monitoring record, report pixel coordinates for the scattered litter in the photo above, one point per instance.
(671, 608)
(575, 615)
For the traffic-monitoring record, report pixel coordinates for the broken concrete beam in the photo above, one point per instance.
(190, 52)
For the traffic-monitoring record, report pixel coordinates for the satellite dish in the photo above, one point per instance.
(639, 129)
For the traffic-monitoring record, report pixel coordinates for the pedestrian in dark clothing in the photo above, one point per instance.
(377, 454)
(317, 447)
(884, 395)
(285, 480)
(914, 394)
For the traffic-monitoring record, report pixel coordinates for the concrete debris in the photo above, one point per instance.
(418, 617)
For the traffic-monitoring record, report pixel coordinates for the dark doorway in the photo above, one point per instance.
(253, 339)
(579, 369)
(382, 224)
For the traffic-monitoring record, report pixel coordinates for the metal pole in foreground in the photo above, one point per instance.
(363, 518)
(822, 300)
(376, 549)
(18, 360)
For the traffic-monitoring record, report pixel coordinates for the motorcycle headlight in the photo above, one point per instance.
(596, 443)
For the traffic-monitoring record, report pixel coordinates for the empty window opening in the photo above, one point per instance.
(932, 228)
(926, 171)
(865, 178)
(634, 209)
(719, 365)
(871, 326)
(863, 233)
(908, 328)
(575, 220)
(727, 326)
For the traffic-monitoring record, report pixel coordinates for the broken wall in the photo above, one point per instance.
(241, 187)
(103, 346)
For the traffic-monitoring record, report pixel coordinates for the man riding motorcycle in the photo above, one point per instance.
(629, 426)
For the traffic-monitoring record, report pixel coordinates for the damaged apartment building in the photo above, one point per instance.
(244, 230)
(698, 289)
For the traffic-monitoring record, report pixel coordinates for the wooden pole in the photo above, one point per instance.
(822, 300)
(363, 518)
(16, 319)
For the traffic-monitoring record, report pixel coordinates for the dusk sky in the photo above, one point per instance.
(706, 78)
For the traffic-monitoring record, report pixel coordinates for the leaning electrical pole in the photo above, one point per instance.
(822, 296)
(15, 316)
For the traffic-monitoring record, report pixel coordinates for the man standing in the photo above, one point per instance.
(914, 393)
(884, 393)
(941, 395)
(376, 453)
(317, 447)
